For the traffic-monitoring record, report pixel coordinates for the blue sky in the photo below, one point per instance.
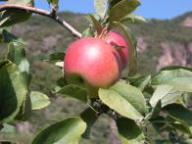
(161, 9)
(164, 9)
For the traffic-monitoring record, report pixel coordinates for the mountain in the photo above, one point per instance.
(160, 43)
(165, 42)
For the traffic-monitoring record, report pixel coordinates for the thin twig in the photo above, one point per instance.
(63, 23)
(54, 9)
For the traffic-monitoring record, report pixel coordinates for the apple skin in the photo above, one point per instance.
(93, 62)
(116, 39)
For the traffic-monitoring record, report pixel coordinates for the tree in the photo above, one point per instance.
(135, 102)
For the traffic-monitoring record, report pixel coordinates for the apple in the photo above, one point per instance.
(93, 62)
(117, 40)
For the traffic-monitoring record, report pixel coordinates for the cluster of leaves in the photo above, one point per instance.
(16, 99)
(135, 102)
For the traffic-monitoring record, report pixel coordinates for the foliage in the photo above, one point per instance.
(135, 102)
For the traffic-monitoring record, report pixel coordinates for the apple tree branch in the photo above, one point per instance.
(42, 12)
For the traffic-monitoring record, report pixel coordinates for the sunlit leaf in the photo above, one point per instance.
(178, 77)
(134, 19)
(22, 2)
(122, 9)
(101, 7)
(166, 94)
(39, 100)
(13, 90)
(124, 99)
(16, 54)
(68, 131)
(7, 128)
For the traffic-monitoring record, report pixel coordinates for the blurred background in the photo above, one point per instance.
(165, 40)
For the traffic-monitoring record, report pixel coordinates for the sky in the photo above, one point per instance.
(160, 9)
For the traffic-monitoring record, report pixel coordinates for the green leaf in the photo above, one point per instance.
(132, 94)
(178, 77)
(56, 57)
(13, 91)
(13, 16)
(125, 99)
(132, 58)
(129, 132)
(88, 32)
(180, 114)
(89, 116)
(142, 82)
(39, 100)
(96, 24)
(112, 3)
(166, 94)
(131, 18)
(179, 126)
(10, 17)
(6, 36)
(101, 7)
(155, 111)
(158, 123)
(68, 131)
(177, 68)
(74, 91)
(122, 9)
(186, 99)
(8, 129)
(22, 2)
(53, 2)
(61, 82)
(25, 109)
(188, 141)
(16, 54)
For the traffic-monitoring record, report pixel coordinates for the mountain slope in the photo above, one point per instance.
(154, 39)
(160, 43)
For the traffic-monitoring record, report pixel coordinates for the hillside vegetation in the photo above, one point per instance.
(160, 43)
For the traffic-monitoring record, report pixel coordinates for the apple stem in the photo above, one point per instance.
(103, 33)
(42, 12)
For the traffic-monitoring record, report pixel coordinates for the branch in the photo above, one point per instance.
(63, 23)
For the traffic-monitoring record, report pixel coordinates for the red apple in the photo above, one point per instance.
(116, 39)
(92, 61)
